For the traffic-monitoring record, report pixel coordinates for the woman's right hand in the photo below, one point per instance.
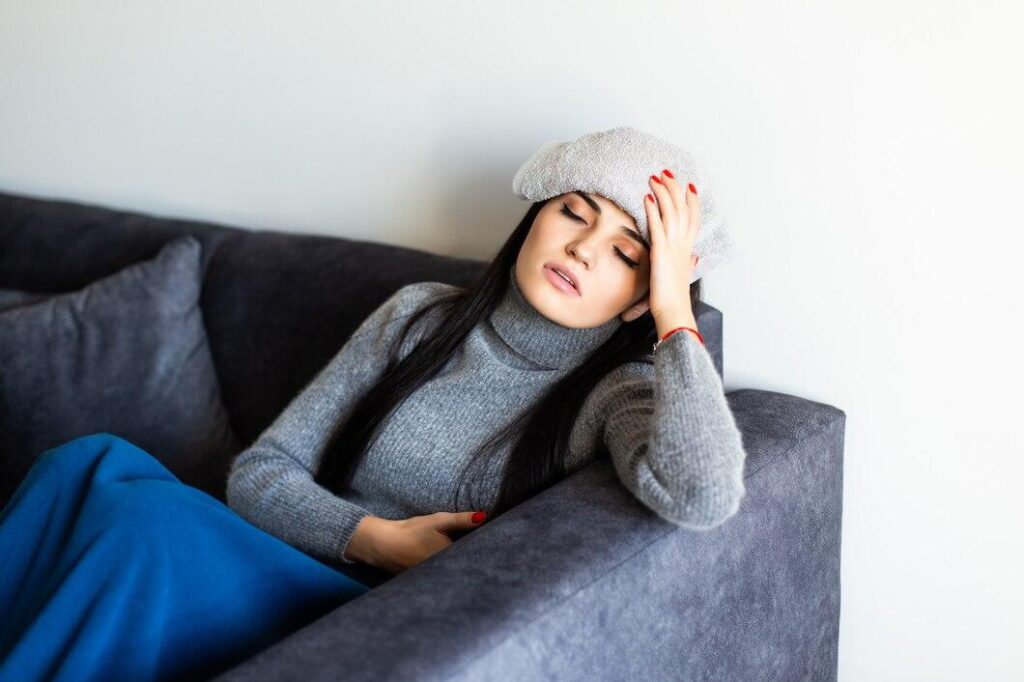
(397, 545)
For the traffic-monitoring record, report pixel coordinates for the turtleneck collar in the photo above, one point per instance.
(536, 337)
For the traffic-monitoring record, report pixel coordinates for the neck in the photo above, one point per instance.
(536, 337)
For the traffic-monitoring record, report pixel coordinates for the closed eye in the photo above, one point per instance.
(629, 261)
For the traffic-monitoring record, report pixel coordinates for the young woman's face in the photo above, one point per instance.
(593, 247)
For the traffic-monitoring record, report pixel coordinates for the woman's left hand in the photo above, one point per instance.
(673, 221)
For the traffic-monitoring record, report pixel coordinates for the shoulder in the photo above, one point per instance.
(628, 377)
(626, 385)
(403, 303)
(628, 388)
(412, 297)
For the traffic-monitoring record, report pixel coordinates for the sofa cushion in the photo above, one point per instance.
(126, 354)
(12, 298)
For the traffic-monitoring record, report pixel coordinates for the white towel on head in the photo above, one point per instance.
(617, 164)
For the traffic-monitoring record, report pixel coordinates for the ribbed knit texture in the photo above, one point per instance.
(668, 428)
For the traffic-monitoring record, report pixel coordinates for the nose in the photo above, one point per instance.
(583, 251)
(580, 255)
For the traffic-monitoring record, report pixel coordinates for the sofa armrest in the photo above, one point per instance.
(583, 582)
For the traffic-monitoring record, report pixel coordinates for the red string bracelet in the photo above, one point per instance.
(673, 331)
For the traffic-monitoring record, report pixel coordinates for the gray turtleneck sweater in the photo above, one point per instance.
(669, 431)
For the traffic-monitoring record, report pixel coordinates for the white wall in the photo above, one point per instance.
(867, 154)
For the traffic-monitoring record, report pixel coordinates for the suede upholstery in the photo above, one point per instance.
(580, 582)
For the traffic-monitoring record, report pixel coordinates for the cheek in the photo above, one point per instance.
(545, 235)
(636, 283)
(618, 291)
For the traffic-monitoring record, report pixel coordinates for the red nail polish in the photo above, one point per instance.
(692, 188)
(478, 517)
(668, 173)
(656, 179)
(650, 197)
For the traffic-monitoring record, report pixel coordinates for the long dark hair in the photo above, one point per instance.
(541, 432)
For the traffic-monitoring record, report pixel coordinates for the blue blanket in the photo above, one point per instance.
(113, 569)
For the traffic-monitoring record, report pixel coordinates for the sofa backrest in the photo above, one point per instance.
(277, 305)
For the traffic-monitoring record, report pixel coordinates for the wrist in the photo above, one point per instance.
(666, 323)
(363, 545)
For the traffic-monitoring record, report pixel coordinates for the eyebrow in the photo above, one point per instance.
(633, 234)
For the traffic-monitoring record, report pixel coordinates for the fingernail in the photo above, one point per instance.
(692, 188)
(478, 517)
(656, 179)
(668, 173)
(650, 197)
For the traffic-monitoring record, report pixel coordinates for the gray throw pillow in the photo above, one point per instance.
(126, 355)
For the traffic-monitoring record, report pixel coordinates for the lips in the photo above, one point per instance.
(559, 282)
(564, 272)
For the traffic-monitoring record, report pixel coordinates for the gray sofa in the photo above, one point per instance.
(580, 582)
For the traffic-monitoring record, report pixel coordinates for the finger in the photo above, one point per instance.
(693, 211)
(675, 190)
(665, 204)
(654, 225)
(456, 521)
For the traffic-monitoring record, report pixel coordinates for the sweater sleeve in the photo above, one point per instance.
(670, 433)
(271, 482)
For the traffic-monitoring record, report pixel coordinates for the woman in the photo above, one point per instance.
(543, 365)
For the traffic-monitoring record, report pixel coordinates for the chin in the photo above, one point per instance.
(549, 302)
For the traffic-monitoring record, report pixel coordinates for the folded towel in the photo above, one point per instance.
(617, 164)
